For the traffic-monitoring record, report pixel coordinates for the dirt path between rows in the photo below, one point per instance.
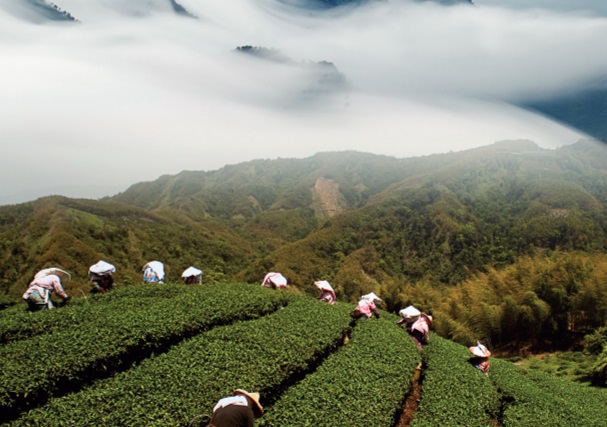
(413, 398)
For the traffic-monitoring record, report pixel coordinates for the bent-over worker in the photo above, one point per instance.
(101, 277)
(366, 307)
(239, 410)
(153, 272)
(38, 294)
(409, 316)
(274, 280)
(481, 361)
(327, 292)
(420, 330)
(192, 276)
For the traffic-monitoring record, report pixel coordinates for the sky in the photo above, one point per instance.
(133, 91)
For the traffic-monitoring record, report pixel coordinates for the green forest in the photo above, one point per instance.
(504, 243)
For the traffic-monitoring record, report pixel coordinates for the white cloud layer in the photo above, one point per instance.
(134, 91)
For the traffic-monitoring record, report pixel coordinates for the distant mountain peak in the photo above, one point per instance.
(180, 10)
(322, 78)
(39, 11)
(264, 53)
(50, 10)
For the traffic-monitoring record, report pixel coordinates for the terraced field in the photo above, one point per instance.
(164, 359)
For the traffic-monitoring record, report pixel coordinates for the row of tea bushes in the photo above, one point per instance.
(17, 323)
(535, 398)
(293, 357)
(363, 384)
(455, 393)
(181, 386)
(51, 364)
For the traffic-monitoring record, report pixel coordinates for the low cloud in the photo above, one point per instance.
(134, 91)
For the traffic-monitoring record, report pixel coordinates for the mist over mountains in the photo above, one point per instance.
(120, 82)
(62, 10)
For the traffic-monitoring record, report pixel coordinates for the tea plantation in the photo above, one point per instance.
(162, 355)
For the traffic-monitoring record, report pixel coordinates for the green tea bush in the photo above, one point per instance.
(6, 302)
(18, 323)
(363, 384)
(31, 370)
(596, 341)
(455, 393)
(598, 371)
(182, 385)
(534, 398)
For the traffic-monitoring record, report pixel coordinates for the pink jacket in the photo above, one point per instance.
(327, 296)
(422, 326)
(50, 282)
(366, 307)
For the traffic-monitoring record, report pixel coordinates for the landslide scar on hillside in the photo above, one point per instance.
(327, 195)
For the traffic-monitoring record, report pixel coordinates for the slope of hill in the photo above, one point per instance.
(403, 228)
(244, 190)
(75, 234)
(188, 357)
(444, 214)
(459, 213)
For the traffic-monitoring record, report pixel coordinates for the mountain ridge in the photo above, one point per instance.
(510, 231)
(244, 219)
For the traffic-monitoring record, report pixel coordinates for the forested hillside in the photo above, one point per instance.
(74, 234)
(479, 209)
(424, 230)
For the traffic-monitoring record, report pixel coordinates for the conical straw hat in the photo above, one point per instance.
(257, 408)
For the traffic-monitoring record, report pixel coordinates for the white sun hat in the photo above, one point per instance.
(480, 350)
(371, 297)
(62, 274)
(257, 408)
(323, 285)
(191, 271)
(409, 312)
(102, 268)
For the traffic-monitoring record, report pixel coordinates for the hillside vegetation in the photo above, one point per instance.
(493, 239)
